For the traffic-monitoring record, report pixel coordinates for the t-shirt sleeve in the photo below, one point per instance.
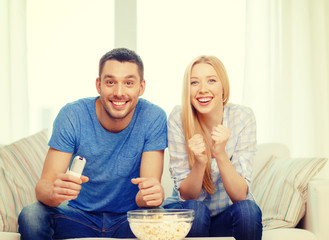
(63, 136)
(156, 137)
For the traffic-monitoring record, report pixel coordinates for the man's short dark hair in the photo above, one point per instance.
(122, 55)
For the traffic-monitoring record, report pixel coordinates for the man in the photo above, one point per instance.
(122, 137)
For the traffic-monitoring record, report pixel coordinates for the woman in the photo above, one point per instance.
(211, 145)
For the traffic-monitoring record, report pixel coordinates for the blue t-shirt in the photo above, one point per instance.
(112, 158)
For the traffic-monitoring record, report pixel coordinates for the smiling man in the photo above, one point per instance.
(122, 137)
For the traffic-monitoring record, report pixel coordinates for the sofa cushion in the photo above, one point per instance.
(280, 189)
(9, 236)
(288, 234)
(20, 167)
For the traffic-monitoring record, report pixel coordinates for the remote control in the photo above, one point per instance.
(77, 166)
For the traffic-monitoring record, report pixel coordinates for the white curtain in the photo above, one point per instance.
(287, 73)
(13, 71)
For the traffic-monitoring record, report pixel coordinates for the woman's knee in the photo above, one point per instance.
(253, 210)
(200, 209)
(248, 212)
(201, 223)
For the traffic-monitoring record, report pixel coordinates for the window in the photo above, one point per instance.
(65, 40)
(171, 33)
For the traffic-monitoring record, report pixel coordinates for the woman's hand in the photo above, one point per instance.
(220, 136)
(198, 147)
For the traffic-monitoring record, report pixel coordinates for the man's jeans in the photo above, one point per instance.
(38, 221)
(242, 220)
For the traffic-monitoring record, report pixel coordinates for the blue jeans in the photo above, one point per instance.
(38, 221)
(242, 220)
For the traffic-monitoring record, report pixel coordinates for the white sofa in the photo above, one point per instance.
(21, 164)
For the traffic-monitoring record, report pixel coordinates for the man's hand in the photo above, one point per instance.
(198, 147)
(66, 187)
(150, 192)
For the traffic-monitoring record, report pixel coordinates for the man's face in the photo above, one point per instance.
(119, 87)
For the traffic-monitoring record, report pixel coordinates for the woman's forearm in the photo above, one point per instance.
(190, 188)
(235, 185)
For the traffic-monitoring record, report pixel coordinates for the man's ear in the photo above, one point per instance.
(98, 85)
(142, 88)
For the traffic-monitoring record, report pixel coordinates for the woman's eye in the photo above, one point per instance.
(194, 83)
(212, 80)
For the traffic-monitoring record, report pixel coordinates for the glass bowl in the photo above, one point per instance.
(160, 224)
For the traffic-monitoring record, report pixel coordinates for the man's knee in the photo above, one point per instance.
(32, 214)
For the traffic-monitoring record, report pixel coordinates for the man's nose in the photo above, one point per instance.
(119, 90)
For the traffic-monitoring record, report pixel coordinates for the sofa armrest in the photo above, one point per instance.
(317, 208)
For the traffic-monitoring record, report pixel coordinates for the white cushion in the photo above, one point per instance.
(316, 219)
(280, 189)
(288, 234)
(9, 236)
(20, 168)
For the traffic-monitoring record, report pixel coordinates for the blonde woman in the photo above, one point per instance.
(211, 144)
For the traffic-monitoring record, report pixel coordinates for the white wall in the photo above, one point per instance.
(171, 33)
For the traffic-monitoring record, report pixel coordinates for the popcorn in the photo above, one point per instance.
(161, 227)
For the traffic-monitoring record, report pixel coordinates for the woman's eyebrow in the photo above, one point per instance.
(212, 76)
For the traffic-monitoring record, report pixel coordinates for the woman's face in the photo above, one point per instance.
(206, 90)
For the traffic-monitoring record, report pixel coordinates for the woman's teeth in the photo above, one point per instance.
(204, 99)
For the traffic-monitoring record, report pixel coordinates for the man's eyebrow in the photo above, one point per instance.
(132, 76)
(108, 76)
(127, 76)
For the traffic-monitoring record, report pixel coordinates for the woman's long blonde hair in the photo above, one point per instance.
(190, 121)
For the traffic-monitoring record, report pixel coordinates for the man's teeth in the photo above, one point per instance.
(204, 99)
(119, 103)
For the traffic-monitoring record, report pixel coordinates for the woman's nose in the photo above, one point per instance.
(203, 86)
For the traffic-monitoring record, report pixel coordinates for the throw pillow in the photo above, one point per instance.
(20, 168)
(280, 189)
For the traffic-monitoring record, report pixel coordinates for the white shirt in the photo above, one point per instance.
(240, 148)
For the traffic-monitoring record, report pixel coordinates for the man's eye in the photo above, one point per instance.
(129, 83)
(108, 82)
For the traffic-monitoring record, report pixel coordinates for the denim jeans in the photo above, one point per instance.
(242, 220)
(38, 221)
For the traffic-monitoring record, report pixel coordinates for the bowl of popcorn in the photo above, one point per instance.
(160, 224)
